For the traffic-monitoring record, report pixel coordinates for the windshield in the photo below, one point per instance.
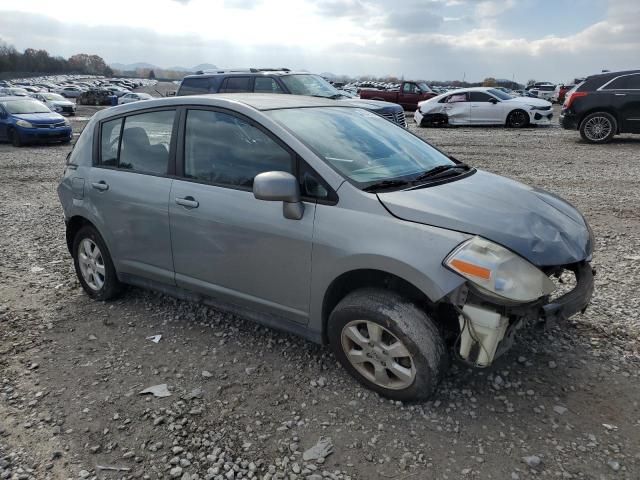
(310, 85)
(500, 94)
(361, 145)
(53, 96)
(424, 87)
(24, 106)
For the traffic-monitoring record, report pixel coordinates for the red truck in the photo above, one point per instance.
(408, 96)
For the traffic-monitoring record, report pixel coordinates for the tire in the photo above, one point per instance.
(598, 127)
(518, 119)
(423, 355)
(14, 138)
(106, 286)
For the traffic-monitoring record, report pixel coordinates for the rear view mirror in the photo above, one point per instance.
(280, 187)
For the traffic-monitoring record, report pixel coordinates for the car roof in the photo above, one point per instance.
(9, 98)
(240, 73)
(257, 101)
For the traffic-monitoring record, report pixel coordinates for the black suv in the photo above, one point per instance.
(282, 80)
(604, 105)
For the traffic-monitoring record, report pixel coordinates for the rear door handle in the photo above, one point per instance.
(188, 202)
(101, 185)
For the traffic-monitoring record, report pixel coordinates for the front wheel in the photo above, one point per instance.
(518, 119)
(388, 344)
(598, 127)
(14, 138)
(93, 265)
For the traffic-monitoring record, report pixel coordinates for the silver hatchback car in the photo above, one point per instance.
(324, 220)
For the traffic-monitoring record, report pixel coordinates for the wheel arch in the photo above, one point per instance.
(74, 224)
(357, 279)
(609, 110)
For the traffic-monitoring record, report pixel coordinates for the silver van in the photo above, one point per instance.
(324, 220)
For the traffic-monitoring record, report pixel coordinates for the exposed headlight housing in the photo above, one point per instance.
(24, 124)
(499, 272)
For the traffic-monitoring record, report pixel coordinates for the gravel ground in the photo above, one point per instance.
(247, 402)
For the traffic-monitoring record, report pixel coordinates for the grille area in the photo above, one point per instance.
(396, 117)
(51, 125)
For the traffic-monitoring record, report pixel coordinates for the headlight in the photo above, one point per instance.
(24, 124)
(67, 122)
(536, 107)
(498, 271)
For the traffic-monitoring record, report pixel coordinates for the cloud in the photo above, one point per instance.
(432, 39)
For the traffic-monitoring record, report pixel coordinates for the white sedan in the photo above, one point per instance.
(56, 103)
(133, 97)
(482, 106)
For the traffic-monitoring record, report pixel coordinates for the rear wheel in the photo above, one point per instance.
(388, 344)
(518, 119)
(598, 127)
(93, 265)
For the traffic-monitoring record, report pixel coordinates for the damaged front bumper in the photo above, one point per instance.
(487, 329)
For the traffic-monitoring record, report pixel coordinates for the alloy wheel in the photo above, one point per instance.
(598, 128)
(378, 355)
(518, 119)
(91, 264)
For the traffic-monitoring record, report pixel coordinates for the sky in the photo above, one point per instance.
(546, 40)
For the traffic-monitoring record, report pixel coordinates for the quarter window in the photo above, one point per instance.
(266, 85)
(226, 150)
(109, 142)
(236, 85)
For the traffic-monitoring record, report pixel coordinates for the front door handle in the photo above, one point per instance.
(101, 185)
(188, 202)
(620, 94)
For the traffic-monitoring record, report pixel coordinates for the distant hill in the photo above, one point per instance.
(129, 67)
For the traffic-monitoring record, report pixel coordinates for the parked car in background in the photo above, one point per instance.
(407, 96)
(483, 106)
(25, 120)
(282, 81)
(13, 92)
(415, 254)
(603, 106)
(69, 91)
(56, 103)
(543, 90)
(117, 90)
(96, 96)
(560, 92)
(133, 97)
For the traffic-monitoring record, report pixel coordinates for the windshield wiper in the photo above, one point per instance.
(335, 96)
(386, 184)
(439, 170)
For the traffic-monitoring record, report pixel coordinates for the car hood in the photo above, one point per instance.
(40, 117)
(536, 224)
(371, 104)
(538, 102)
(62, 103)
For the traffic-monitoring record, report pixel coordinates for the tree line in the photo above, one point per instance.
(39, 61)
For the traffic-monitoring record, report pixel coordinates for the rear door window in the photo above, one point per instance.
(138, 142)
(266, 85)
(145, 142)
(194, 86)
(626, 82)
(479, 97)
(236, 85)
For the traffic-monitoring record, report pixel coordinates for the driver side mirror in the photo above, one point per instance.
(493, 100)
(280, 187)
